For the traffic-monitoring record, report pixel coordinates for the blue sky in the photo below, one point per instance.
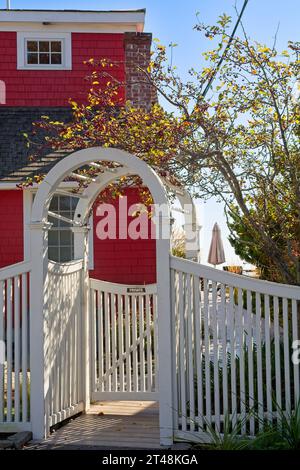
(172, 21)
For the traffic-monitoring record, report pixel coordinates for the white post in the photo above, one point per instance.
(81, 251)
(39, 250)
(164, 333)
(192, 241)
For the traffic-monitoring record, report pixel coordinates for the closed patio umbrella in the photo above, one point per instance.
(216, 251)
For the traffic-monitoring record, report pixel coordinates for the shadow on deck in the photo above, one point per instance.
(109, 425)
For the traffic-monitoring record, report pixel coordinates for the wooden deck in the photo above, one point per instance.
(114, 424)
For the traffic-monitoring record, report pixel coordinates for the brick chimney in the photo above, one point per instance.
(138, 53)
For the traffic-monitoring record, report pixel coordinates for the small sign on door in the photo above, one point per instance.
(136, 290)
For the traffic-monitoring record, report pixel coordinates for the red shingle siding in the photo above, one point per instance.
(11, 227)
(124, 261)
(54, 88)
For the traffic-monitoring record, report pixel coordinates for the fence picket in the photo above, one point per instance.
(100, 325)
(295, 338)
(249, 327)
(24, 348)
(198, 346)
(120, 341)
(214, 324)
(174, 307)
(190, 352)
(223, 337)
(2, 351)
(242, 358)
(134, 344)
(17, 348)
(268, 357)
(128, 340)
(141, 303)
(207, 352)
(232, 355)
(149, 344)
(9, 357)
(113, 342)
(286, 354)
(107, 316)
(278, 391)
(182, 366)
(260, 399)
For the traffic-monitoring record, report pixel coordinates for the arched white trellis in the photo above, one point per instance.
(128, 165)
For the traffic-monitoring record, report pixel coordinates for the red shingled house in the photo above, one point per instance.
(42, 56)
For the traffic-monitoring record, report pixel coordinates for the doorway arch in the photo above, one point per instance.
(112, 164)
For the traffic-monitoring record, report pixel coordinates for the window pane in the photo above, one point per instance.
(32, 58)
(55, 59)
(55, 46)
(66, 238)
(53, 253)
(65, 254)
(44, 46)
(53, 237)
(54, 204)
(65, 203)
(44, 58)
(32, 46)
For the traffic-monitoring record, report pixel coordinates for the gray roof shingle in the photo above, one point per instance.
(14, 155)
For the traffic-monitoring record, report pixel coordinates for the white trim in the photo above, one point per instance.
(27, 205)
(109, 28)
(91, 262)
(13, 185)
(14, 270)
(65, 39)
(110, 17)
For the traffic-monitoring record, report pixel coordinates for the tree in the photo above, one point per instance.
(238, 142)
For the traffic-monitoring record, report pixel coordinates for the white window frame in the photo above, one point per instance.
(27, 206)
(65, 38)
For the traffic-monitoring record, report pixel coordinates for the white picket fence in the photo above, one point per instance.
(14, 348)
(232, 349)
(232, 339)
(63, 341)
(123, 341)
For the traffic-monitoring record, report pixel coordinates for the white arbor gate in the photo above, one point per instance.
(113, 362)
(206, 344)
(123, 333)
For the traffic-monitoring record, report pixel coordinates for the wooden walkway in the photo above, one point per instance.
(109, 425)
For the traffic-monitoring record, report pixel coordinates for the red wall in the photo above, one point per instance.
(124, 261)
(11, 227)
(54, 88)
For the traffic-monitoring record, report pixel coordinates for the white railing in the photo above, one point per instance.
(123, 341)
(14, 348)
(232, 348)
(63, 341)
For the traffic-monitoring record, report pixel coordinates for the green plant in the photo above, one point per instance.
(229, 436)
(284, 433)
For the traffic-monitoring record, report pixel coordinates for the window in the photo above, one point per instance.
(60, 236)
(41, 50)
